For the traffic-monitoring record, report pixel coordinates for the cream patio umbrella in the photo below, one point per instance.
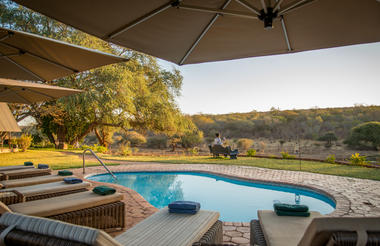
(194, 31)
(13, 91)
(25, 56)
(7, 121)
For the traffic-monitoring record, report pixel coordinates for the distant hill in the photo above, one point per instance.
(287, 124)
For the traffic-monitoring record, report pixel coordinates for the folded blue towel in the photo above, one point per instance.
(188, 205)
(72, 180)
(43, 166)
(182, 211)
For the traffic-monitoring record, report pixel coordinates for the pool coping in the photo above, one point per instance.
(342, 203)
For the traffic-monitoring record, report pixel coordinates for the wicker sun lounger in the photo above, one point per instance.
(24, 173)
(28, 230)
(316, 230)
(16, 167)
(30, 181)
(40, 191)
(83, 208)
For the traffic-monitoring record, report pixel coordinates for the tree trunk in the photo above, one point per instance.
(61, 135)
(99, 137)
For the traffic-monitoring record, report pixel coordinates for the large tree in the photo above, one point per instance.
(365, 136)
(137, 94)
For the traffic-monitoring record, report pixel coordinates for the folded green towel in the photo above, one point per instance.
(65, 173)
(28, 163)
(104, 190)
(289, 213)
(290, 207)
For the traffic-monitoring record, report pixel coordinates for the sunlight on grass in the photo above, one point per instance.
(55, 159)
(67, 159)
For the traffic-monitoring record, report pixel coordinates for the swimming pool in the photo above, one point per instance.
(236, 200)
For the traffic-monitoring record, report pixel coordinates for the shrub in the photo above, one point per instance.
(251, 152)
(125, 149)
(244, 143)
(191, 139)
(158, 142)
(285, 155)
(24, 142)
(356, 159)
(84, 146)
(330, 159)
(135, 138)
(365, 136)
(328, 138)
(193, 151)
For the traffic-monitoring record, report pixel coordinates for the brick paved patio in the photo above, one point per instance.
(354, 197)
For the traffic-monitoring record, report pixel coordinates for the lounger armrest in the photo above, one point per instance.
(19, 197)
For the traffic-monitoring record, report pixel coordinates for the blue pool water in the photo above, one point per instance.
(236, 200)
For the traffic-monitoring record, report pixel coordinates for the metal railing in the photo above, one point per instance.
(101, 162)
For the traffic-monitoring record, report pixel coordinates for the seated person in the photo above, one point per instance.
(217, 140)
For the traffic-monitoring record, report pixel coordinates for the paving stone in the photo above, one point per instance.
(239, 240)
(243, 229)
(233, 234)
(229, 228)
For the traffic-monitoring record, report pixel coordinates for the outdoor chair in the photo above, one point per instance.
(16, 167)
(217, 150)
(29, 230)
(23, 173)
(83, 208)
(316, 230)
(31, 181)
(40, 191)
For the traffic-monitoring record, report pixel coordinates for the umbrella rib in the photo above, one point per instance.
(41, 93)
(6, 36)
(264, 6)
(41, 58)
(217, 11)
(249, 6)
(125, 28)
(24, 68)
(277, 6)
(294, 6)
(285, 33)
(204, 31)
(9, 90)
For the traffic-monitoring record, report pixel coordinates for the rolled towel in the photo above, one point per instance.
(72, 180)
(104, 190)
(43, 166)
(290, 213)
(28, 163)
(188, 205)
(182, 211)
(65, 173)
(290, 207)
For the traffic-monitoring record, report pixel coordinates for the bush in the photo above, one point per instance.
(193, 151)
(158, 142)
(285, 155)
(191, 139)
(329, 137)
(100, 149)
(244, 143)
(330, 159)
(24, 142)
(135, 138)
(125, 149)
(365, 136)
(251, 152)
(356, 159)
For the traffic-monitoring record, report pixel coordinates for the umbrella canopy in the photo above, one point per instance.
(26, 56)
(194, 31)
(7, 122)
(13, 91)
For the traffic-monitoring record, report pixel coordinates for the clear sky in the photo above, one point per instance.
(336, 77)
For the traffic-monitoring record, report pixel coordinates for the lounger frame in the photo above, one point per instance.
(18, 197)
(22, 176)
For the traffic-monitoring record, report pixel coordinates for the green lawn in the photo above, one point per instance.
(56, 159)
(61, 160)
(306, 166)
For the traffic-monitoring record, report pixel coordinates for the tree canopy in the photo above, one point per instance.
(137, 94)
(365, 136)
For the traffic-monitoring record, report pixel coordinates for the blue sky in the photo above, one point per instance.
(336, 77)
